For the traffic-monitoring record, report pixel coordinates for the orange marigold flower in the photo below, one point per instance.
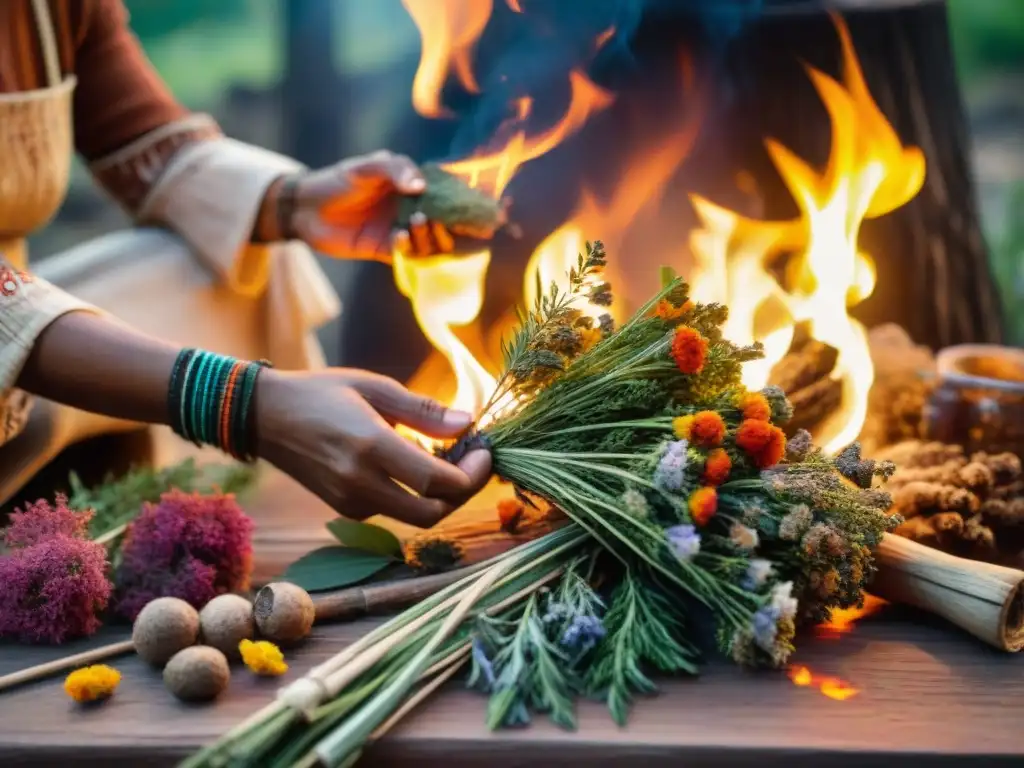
(666, 310)
(717, 467)
(755, 406)
(92, 683)
(708, 428)
(682, 427)
(763, 442)
(510, 513)
(703, 505)
(689, 350)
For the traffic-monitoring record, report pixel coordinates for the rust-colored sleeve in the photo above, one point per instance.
(127, 122)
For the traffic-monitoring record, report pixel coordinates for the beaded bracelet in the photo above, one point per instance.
(210, 400)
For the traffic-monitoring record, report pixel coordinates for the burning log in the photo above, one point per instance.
(805, 375)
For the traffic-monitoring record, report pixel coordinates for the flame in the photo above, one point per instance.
(492, 171)
(644, 181)
(449, 30)
(447, 291)
(832, 687)
(868, 173)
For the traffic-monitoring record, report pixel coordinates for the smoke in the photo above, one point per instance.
(531, 53)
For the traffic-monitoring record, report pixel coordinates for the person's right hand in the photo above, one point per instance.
(333, 432)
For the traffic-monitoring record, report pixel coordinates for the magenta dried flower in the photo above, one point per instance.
(189, 546)
(53, 590)
(43, 520)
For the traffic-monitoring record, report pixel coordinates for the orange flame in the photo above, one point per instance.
(832, 687)
(492, 171)
(449, 30)
(644, 181)
(869, 173)
(447, 291)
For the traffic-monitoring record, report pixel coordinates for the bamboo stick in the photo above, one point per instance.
(355, 602)
(984, 599)
(83, 659)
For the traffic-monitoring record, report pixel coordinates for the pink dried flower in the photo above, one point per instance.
(43, 520)
(53, 590)
(189, 546)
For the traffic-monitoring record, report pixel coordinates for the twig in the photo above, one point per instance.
(85, 658)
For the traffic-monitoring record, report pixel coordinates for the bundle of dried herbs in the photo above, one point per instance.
(118, 500)
(465, 211)
(685, 500)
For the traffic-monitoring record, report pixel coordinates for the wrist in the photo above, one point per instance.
(275, 219)
(211, 400)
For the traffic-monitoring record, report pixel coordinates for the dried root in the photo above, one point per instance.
(971, 506)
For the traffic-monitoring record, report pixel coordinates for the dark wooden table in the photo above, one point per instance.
(927, 695)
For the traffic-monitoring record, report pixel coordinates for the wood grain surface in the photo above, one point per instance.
(928, 695)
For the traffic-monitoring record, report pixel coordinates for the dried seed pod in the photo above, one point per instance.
(199, 673)
(226, 621)
(284, 612)
(163, 627)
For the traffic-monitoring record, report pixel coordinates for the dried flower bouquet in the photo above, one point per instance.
(686, 501)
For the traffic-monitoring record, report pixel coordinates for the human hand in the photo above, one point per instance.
(333, 432)
(349, 209)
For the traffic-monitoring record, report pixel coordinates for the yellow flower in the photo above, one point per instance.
(682, 426)
(263, 657)
(92, 683)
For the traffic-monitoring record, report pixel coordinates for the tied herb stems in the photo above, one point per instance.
(687, 504)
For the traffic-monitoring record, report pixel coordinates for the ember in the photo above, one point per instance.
(832, 687)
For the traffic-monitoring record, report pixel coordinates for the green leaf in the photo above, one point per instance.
(367, 537)
(334, 567)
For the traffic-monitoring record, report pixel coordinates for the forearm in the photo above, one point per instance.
(94, 363)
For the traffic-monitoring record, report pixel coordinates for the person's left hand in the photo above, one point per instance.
(348, 210)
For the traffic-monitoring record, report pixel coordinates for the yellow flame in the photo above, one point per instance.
(449, 30)
(446, 292)
(869, 173)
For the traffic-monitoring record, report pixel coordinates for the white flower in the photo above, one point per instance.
(783, 601)
(757, 574)
(743, 537)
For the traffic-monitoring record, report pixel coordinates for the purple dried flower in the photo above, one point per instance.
(189, 546)
(583, 633)
(43, 520)
(684, 541)
(670, 472)
(483, 663)
(53, 590)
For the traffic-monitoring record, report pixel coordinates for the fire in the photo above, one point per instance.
(646, 178)
(447, 291)
(492, 171)
(832, 687)
(868, 173)
(449, 30)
